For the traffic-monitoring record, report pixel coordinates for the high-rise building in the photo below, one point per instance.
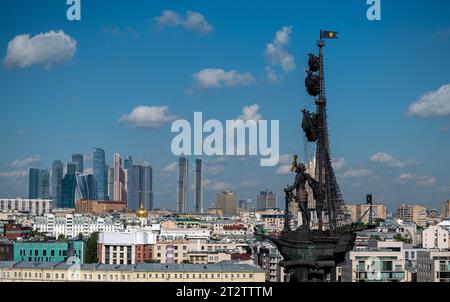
(120, 191)
(141, 187)
(182, 185)
(111, 183)
(78, 159)
(245, 204)
(227, 202)
(68, 188)
(100, 174)
(39, 184)
(198, 186)
(85, 187)
(71, 168)
(57, 176)
(127, 164)
(413, 213)
(445, 209)
(266, 200)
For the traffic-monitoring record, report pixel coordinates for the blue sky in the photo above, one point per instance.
(124, 58)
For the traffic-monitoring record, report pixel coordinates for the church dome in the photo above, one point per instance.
(141, 212)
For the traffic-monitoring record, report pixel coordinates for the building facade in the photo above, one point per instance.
(413, 213)
(38, 184)
(78, 159)
(435, 237)
(57, 176)
(48, 251)
(141, 187)
(32, 206)
(433, 266)
(120, 190)
(198, 196)
(266, 200)
(227, 202)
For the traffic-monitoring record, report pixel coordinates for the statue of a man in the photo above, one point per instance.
(302, 195)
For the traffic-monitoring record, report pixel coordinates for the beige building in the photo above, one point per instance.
(11, 271)
(382, 261)
(356, 211)
(195, 251)
(445, 209)
(433, 266)
(435, 237)
(413, 213)
(227, 203)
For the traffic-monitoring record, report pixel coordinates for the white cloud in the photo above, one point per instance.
(357, 173)
(281, 61)
(14, 174)
(212, 185)
(391, 161)
(45, 49)
(338, 163)
(284, 169)
(420, 180)
(171, 167)
(191, 20)
(433, 104)
(148, 117)
(214, 170)
(27, 162)
(250, 113)
(286, 159)
(218, 78)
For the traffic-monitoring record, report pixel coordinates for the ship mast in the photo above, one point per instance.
(329, 205)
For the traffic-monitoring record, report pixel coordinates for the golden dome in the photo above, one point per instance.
(141, 212)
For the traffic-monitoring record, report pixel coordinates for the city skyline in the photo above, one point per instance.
(387, 137)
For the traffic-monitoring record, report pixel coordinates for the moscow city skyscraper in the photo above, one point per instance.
(141, 187)
(120, 191)
(78, 159)
(100, 174)
(57, 177)
(182, 185)
(38, 183)
(198, 186)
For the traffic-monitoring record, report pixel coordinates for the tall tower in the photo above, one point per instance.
(141, 187)
(182, 185)
(100, 174)
(78, 159)
(198, 186)
(120, 191)
(38, 184)
(57, 176)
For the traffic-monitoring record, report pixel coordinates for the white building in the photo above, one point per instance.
(125, 247)
(435, 237)
(33, 206)
(71, 225)
(380, 262)
(184, 234)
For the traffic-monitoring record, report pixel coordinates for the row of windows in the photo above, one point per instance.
(61, 276)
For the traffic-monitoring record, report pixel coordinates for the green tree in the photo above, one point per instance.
(61, 237)
(80, 237)
(91, 255)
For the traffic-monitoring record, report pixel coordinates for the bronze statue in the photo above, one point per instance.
(301, 194)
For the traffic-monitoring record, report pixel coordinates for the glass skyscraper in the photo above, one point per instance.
(198, 186)
(38, 184)
(100, 174)
(85, 187)
(78, 159)
(141, 187)
(68, 188)
(182, 185)
(57, 176)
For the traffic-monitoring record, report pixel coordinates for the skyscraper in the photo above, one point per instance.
(198, 186)
(71, 168)
(68, 188)
(127, 164)
(85, 187)
(100, 174)
(120, 191)
(38, 183)
(78, 159)
(227, 203)
(111, 183)
(182, 185)
(57, 176)
(141, 187)
(266, 200)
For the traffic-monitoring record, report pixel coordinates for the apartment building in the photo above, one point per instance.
(413, 213)
(433, 266)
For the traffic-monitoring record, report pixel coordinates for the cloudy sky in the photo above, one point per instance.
(120, 76)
